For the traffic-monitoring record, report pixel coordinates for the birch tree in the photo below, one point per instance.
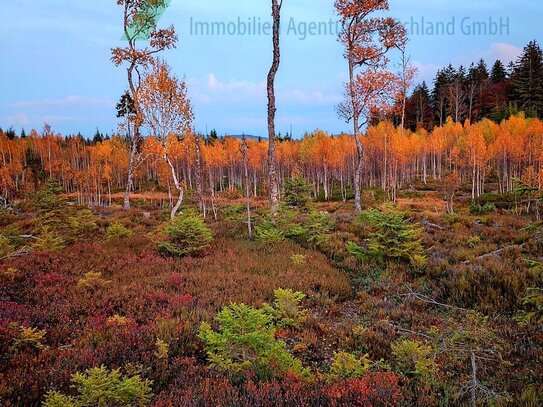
(139, 23)
(167, 112)
(367, 39)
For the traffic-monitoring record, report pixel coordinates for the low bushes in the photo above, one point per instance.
(476, 208)
(245, 340)
(391, 237)
(100, 387)
(188, 234)
(348, 366)
(117, 231)
(310, 229)
(297, 192)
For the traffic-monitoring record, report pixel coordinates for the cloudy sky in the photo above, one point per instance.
(55, 58)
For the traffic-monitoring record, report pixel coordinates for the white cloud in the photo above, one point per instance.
(245, 91)
(239, 86)
(502, 51)
(18, 119)
(425, 72)
(309, 98)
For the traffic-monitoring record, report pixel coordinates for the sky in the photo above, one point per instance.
(55, 63)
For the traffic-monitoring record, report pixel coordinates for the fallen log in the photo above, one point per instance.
(495, 252)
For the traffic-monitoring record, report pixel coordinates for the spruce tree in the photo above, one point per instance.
(422, 107)
(527, 80)
(498, 73)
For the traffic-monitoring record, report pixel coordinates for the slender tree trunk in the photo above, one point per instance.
(177, 184)
(198, 175)
(247, 185)
(474, 383)
(274, 187)
(359, 151)
(130, 176)
(134, 140)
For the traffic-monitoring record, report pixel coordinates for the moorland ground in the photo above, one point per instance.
(376, 327)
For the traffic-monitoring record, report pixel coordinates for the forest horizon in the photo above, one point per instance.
(336, 223)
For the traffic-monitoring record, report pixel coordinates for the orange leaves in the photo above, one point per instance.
(375, 92)
(367, 39)
(356, 8)
(164, 103)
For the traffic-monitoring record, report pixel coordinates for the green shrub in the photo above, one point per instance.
(117, 231)
(51, 205)
(392, 237)
(298, 259)
(348, 366)
(414, 359)
(473, 242)
(286, 310)
(235, 213)
(316, 228)
(475, 208)
(162, 349)
(92, 280)
(267, 232)
(533, 308)
(47, 240)
(6, 246)
(188, 235)
(82, 222)
(500, 201)
(99, 387)
(309, 229)
(48, 197)
(297, 192)
(245, 340)
(419, 263)
(29, 338)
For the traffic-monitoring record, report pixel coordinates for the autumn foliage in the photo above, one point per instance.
(93, 172)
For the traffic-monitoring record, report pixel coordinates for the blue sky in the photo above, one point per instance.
(55, 66)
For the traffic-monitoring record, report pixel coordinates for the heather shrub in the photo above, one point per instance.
(100, 387)
(348, 366)
(245, 340)
(490, 288)
(188, 234)
(117, 231)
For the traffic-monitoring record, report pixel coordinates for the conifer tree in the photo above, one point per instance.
(527, 80)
